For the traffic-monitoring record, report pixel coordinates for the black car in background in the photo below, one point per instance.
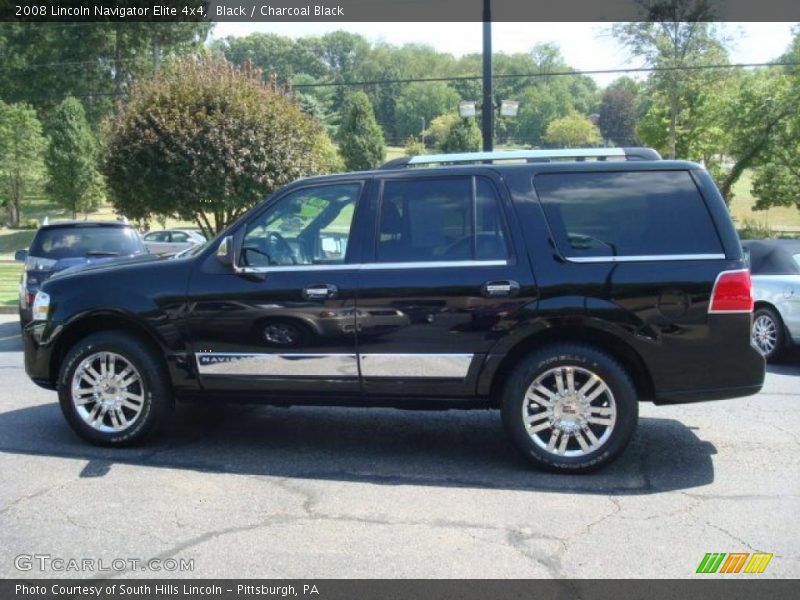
(68, 244)
(562, 287)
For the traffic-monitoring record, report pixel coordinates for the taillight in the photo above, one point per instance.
(733, 293)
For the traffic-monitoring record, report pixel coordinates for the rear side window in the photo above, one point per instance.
(448, 219)
(643, 213)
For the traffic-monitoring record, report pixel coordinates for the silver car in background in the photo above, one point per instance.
(775, 268)
(172, 241)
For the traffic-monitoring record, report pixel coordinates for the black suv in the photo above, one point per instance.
(562, 287)
(60, 246)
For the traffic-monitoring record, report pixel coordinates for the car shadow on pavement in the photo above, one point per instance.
(380, 446)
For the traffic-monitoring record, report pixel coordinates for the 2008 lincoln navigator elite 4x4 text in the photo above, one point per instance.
(562, 287)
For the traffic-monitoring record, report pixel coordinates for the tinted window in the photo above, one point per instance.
(70, 242)
(307, 226)
(430, 220)
(627, 214)
(158, 236)
(178, 237)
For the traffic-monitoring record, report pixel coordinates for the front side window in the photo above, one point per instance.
(448, 219)
(306, 227)
(641, 213)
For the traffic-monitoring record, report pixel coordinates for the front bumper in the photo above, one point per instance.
(38, 340)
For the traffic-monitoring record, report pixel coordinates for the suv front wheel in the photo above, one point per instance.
(113, 391)
(570, 408)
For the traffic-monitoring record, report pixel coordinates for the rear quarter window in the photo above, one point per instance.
(642, 213)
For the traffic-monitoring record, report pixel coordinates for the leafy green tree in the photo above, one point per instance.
(204, 141)
(94, 62)
(21, 157)
(678, 35)
(538, 106)
(361, 140)
(463, 136)
(74, 180)
(423, 101)
(272, 53)
(618, 116)
(572, 131)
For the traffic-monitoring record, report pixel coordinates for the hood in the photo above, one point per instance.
(69, 266)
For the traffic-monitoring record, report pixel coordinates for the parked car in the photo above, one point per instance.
(172, 241)
(64, 245)
(775, 267)
(560, 289)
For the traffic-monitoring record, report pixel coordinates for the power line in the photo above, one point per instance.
(549, 74)
(91, 94)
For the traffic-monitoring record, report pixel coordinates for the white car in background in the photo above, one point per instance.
(171, 241)
(775, 269)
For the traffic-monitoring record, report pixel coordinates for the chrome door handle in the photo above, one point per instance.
(321, 291)
(500, 289)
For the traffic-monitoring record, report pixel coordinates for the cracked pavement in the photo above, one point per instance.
(251, 491)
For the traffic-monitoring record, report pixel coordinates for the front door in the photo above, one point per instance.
(284, 319)
(442, 287)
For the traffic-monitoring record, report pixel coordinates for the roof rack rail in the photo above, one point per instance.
(527, 155)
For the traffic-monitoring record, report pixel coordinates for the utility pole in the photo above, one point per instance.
(488, 100)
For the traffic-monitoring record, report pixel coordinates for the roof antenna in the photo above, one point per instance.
(46, 221)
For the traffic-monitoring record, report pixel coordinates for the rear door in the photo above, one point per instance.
(440, 284)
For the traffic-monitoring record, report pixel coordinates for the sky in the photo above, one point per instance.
(585, 46)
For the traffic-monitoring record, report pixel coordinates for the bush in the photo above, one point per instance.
(26, 224)
(572, 131)
(464, 136)
(753, 230)
(414, 147)
(204, 141)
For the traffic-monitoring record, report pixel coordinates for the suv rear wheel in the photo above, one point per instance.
(570, 408)
(113, 391)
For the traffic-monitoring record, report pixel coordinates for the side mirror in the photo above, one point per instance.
(21, 255)
(226, 252)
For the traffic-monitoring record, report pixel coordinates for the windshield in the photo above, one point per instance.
(71, 242)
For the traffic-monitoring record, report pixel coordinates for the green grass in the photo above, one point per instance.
(9, 283)
(782, 218)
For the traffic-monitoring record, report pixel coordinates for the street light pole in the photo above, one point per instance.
(488, 101)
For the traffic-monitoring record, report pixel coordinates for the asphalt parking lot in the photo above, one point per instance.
(315, 492)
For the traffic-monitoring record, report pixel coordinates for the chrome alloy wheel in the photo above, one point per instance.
(569, 411)
(108, 392)
(765, 334)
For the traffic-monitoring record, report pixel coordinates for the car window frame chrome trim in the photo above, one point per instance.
(643, 258)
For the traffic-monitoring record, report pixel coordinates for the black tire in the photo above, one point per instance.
(155, 389)
(585, 360)
(771, 315)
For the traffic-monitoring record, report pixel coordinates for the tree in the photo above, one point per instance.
(572, 131)
(204, 141)
(93, 61)
(677, 36)
(437, 130)
(420, 103)
(74, 180)
(618, 116)
(463, 136)
(21, 157)
(360, 137)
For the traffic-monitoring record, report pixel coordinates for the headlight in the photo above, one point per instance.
(41, 306)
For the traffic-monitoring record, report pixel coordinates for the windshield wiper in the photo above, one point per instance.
(101, 253)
